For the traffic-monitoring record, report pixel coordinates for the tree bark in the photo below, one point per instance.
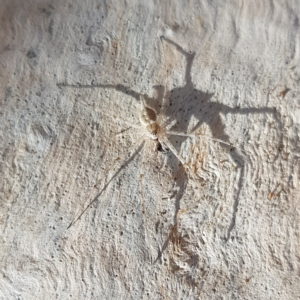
(94, 204)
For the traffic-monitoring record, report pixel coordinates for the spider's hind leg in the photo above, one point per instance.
(118, 164)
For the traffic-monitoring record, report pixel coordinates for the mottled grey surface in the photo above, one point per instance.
(206, 220)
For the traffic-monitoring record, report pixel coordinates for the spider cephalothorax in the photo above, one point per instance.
(153, 129)
(148, 119)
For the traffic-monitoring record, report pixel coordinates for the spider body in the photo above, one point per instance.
(153, 130)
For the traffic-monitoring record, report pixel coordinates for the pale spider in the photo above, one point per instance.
(154, 128)
(181, 104)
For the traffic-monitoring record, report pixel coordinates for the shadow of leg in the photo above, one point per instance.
(181, 180)
(238, 159)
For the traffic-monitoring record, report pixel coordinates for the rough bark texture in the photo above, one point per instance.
(208, 219)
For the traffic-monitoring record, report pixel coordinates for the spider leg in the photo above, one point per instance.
(164, 103)
(179, 157)
(172, 148)
(168, 124)
(118, 164)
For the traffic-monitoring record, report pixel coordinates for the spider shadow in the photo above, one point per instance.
(185, 103)
(179, 106)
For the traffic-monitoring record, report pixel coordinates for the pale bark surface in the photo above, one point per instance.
(225, 225)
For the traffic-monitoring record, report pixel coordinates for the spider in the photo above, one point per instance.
(181, 104)
(153, 128)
